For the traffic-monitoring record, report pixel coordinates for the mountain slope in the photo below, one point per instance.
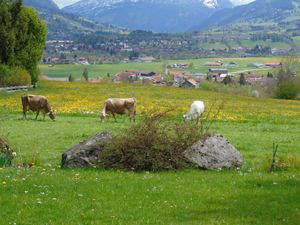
(271, 14)
(154, 15)
(63, 25)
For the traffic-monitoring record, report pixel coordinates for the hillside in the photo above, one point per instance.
(157, 16)
(63, 25)
(272, 15)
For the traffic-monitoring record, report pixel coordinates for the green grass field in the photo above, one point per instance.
(47, 194)
(251, 44)
(158, 67)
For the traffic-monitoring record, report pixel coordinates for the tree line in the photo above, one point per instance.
(22, 41)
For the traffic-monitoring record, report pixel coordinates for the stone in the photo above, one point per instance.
(85, 154)
(215, 152)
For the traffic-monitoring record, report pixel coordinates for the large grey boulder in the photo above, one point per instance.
(85, 154)
(214, 152)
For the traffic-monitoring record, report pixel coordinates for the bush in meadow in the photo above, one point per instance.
(151, 145)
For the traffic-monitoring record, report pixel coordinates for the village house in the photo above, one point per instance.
(231, 64)
(216, 72)
(213, 64)
(135, 75)
(125, 76)
(179, 65)
(273, 64)
(147, 59)
(189, 83)
(256, 65)
(252, 79)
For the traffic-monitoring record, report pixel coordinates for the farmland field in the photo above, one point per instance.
(47, 194)
(103, 69)
(297, 40)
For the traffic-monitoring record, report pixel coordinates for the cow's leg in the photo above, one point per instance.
(24, 114)
(37, 114)
(197, 120)
(114, 117)
(132, 116)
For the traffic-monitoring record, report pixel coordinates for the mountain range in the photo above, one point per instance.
(153, 15)
(166, 16)
(272, 15)
(62, 25)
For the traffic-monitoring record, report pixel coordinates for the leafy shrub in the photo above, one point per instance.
(289, 89)
(20, 77)
(14, 76)
(5, 153)
(5, 160)
(5, 74)
(151, 145)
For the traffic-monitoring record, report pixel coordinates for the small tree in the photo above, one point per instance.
(227, 80)
(288, 70)
(71, 78)
(85, 74)
(242, 80)
(269, 75)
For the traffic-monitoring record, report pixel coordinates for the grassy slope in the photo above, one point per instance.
(47, 194)
(112, 69)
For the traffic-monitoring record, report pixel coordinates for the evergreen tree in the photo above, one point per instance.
(227, 80)
(85, 74)
(242, 80)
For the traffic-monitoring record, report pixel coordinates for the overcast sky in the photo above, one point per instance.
(62, 3)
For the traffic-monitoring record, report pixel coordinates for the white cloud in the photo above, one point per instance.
(63, 3)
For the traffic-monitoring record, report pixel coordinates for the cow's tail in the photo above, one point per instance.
(24, 99)
(103, 112)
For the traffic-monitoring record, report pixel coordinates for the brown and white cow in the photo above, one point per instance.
(37, 103)
(119, 106)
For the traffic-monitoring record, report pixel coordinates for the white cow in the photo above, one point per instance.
(196, 109)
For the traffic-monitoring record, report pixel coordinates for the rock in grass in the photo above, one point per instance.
(215, 152)
(85, 154)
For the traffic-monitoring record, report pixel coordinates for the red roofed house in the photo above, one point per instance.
(125, 76)
(157, 78)
(274, 64)
(213, 64)
(254, 78)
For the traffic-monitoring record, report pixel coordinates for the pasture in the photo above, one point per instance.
(101, 70)
(47, 194)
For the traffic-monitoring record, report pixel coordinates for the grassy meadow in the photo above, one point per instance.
(101, 70)
(47, 194)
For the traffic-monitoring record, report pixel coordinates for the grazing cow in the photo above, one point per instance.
(119, 106)
(196, 109)
(37, 103)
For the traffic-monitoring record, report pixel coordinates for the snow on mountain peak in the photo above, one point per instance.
(211, 3)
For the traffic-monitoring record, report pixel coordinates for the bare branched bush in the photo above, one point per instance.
(152, 145)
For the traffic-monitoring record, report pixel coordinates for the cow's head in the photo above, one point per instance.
(102, 115)
(52, 114)
(184, 118)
